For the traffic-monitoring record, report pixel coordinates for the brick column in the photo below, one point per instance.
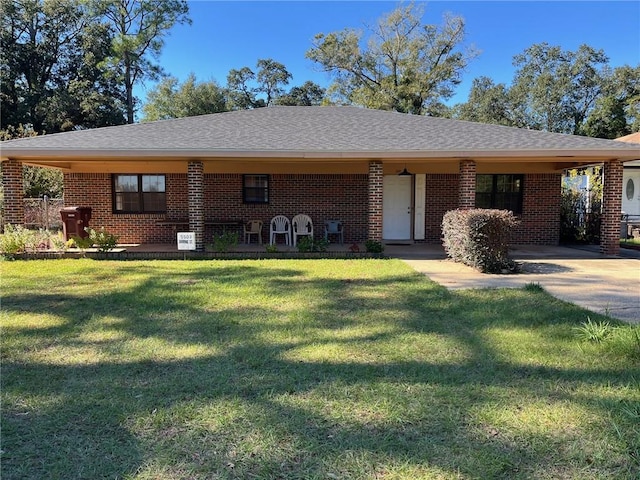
(611, 208)
(375, 201)
(467, 185)
(13, 192)
(195, 179)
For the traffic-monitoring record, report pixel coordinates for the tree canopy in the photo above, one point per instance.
(308, 94)
(138, 28)
(170, 99)
(487, 103)
(249, 89)
(562, 91)
(50, 68)
(405, 66)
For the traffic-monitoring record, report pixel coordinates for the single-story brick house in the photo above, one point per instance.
(343, 163)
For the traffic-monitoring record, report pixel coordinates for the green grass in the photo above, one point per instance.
(349, 369)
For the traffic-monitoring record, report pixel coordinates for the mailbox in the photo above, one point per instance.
(74, 221)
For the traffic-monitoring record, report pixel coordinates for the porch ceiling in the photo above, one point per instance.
(318, 165)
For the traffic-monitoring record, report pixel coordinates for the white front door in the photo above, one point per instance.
(396, 207)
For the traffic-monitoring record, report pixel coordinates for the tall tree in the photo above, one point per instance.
(487, 103)
(617, 110)
(170, 99)
(49, 67)
(308, 94)
(139, 28)
(553, 89)
(272, 76)
(407, 66)
(249, 89)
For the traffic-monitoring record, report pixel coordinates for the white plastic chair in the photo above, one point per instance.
(334, 227)
(302, 227)
(280, 225)
(253, 227)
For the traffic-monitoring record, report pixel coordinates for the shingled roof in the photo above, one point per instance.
(313, 132)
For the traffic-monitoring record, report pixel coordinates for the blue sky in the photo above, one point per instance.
(234, 34)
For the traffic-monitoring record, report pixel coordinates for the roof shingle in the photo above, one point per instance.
(319, 130)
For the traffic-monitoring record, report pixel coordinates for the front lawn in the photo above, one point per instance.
(343, 369)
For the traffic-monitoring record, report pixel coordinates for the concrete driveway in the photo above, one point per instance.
(602, 284)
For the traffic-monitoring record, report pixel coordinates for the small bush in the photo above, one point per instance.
(58, 242)
(225, 242)
(102, 239)
(15, 239)
(269, 248)
(82, 242)
(308, 244)
(374, 246)
(479, 238)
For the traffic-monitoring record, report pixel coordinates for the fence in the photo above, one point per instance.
(43, 213)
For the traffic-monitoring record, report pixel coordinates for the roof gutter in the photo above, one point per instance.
(174, 154)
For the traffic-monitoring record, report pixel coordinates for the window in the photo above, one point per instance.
(139, 194)
(255, 188)
(503, 192)
(630, 189)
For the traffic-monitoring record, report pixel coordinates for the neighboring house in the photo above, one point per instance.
(330, 163)
(631, 182)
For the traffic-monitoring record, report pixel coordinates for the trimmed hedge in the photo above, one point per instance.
(479, 238)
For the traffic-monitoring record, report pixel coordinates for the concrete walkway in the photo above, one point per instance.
(602, 284)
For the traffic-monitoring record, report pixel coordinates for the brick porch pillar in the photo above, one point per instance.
(611, 208)
(467, 185)
(13, 192)
(195, 180)
(375, 201)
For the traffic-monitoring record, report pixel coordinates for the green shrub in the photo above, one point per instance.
(308, 244)
(225, 241)
(59, 243)
(82, 242)
(15, 239)
(102, 239)
(269, 248)
(479, 238)
(374, 246)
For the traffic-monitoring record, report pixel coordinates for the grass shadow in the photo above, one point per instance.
(240, 370)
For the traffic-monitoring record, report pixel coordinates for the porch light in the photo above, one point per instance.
(405, 172)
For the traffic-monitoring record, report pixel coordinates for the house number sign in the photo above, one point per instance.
(186, 241)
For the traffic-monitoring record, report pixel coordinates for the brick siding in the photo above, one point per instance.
(442, 196)
(195, 181)
(13, 192)
(467, 184)
(540, 218)
(374, 202)
(611, 208)
(347, 197)
(322, 197)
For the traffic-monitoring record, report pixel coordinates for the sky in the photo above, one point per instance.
(233, 34)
